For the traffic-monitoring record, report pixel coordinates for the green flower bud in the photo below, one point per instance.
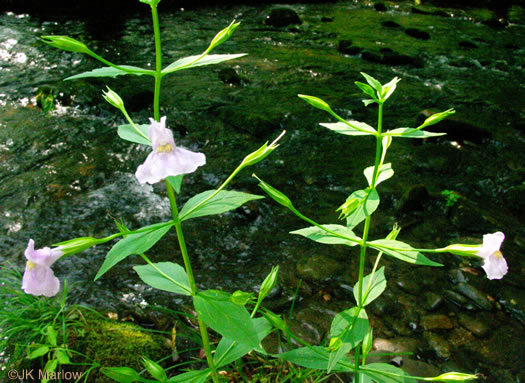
(154, 369)
(262, 152)
(77, 245)
(435, 118)
(223, 35)
(464, 250)
(66, 43)
(275, 320)
(315, 102)
(241, 298)
(275, 194)
(269, 283)
(348, 207)
(367, 342)
(335, 344)
(113, 98)
(453, 377)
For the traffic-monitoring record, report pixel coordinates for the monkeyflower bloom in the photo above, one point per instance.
(38, 277)
(493, 262)
(166, 159)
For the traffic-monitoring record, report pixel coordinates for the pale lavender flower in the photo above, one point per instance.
(38, 277)
(166, 159)
(494, 264)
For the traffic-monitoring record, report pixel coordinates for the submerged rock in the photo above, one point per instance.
(436, 322)
(438, 345)
(282, 17)
(346, 47)
(417, 33)
(390, 24)
(457, 128)
(432, 301)
(475, 295)
(413, 199)
(389, 57)
(475, 326)
(318, 268)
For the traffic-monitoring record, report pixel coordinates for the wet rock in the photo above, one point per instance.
(408, 283)
(393, 58)
(305, 331)
(230, 76)
(390, 24)
(439, 346)
(467, 44)
(467, 216)
(398, 344)
(475, 326)
(325, 19)
(457, 128)
(513, 196)
(432, 301)
(459, 300)
(380, 7)
(318, 268)
(513, 301)
(436, 322)
(456, 275)
(386, 304)
(282, 17)
(476, 296)
(413, 199)
(398, 326)
(417, 33)
(423, 10)
(346, 47)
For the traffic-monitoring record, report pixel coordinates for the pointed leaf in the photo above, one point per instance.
(411, 133)
(351, 128)
(51, 336)
(319, 235)
(62, 357)
(165, 276)
(376, 288)
(356, 320)
(128, 133)
(228, 350)
(38, 352)
(402, 251)
(386, 373)
(122, 374)
(368, 204)
(133, 244)
(109, 72)
(315, 357)
(191, 377)
(373, 82)
(367, 89)
(227, 318)
(224, 201)
(176, 182)
(389, 88)
(194, 61)
(385, 172)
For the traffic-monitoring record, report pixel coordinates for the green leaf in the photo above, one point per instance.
(225, 317)
(165, 276)
(189, 62)
(108, 72)
(385, 172)
(224, 201)
(191, 377)
(380, 372)
(133, 244)
(176, 182)
(368, 204)
(319, 235)
(373, 82)
(62, 357)
(41, 350)
(354, 319)
(367, 89)
(154, 369)
(351, 128)
(368, 102)
(228, 350)
(122, 374)
(377, 287)
(128, 133)
(389, 88)
(411, 133)
(315, 357)
(402, 251)
(51, 336)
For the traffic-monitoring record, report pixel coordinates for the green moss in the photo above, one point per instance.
(115, 344)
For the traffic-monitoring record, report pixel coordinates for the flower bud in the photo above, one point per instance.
(435, 118)
(348, 207)
(223, 35)
(367, 342)
(77, 245)
(241, 298)
(113, 98)
(66, 43)
(275, 194)
(269, 283)
(275, 320)
(452, 377)
(154, 369)
(335, 344)
(262, 152)
(464, 250)
(315, 102)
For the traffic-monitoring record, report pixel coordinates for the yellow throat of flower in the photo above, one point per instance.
(166, 148)
(497, 254)
(30, 265)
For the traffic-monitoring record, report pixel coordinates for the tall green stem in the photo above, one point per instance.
(158, 64)
(366, 229)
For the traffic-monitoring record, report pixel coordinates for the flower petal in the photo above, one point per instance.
(495, 266)
(44, 256)
(159, 134)
(40, 280)
(491, 244)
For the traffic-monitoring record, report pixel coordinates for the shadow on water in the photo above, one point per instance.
(67, 174)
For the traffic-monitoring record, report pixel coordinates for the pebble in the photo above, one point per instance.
(318, 268)
(438, 345)
(417, 33)
(475, 326)
(436, 322)
(282, 17)
(458, 300)
(476, 296)
(432, 301)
